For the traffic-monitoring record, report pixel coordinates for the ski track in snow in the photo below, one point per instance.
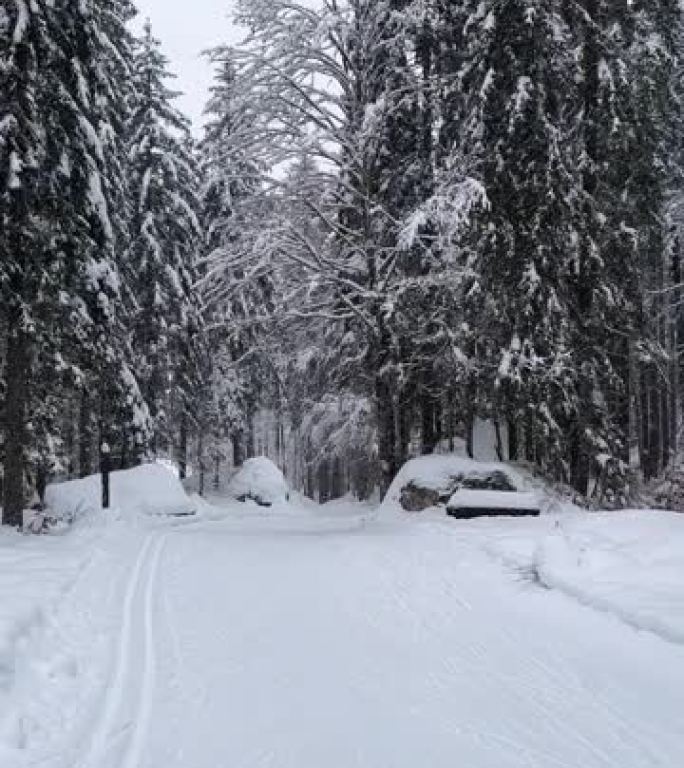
(124, 714)
(353, 642)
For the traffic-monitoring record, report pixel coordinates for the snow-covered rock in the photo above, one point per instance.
(149, 489)
(260, 480)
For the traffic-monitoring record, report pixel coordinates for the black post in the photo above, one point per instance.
(105, 469)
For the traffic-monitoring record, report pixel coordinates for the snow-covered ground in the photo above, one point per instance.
(307, 637)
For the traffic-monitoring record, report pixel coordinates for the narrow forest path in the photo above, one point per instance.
(344, 643)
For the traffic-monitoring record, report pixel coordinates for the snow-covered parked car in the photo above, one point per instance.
(464, 487)
(261, 481)
(491, 494)
(431, 481)
(468, 503)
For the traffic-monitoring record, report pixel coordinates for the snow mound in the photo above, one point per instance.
(150, 489)
(628, 564)
(260, 480)
(439, 472)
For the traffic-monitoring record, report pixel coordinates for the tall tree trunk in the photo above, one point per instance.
(674, 348)
(591, 66)
(513, 441)
(387, 436)
(470, 433)
(217, 471)
(324, 481)
(124, 459)
(15, 433)
(183, 447)
(499, 441)
(70, 439)
(238, 453)
(337, 481)
(428, 427)
(84, 435)
(42, 476)
(249, 438)
(201, 462)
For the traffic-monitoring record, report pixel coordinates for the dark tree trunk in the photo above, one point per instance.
(249, 438)
(387, 436)
(324, 481)
(217, 471)
(183, 448)
(85, 467)
(470, 427)
(428, 418)
(201, 462)
(499, 441)
(513, 441)
(310, 482)
(674, 347)
(124, 459)
(585, 278)
(70, 439)
(15, 434)
(238, 453)
(42, 476)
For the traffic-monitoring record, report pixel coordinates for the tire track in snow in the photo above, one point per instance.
(110, 725)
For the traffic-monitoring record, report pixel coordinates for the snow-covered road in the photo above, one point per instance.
(302, 643)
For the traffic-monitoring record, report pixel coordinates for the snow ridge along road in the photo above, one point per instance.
(118, 736)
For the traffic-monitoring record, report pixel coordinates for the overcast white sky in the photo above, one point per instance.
(186, 28)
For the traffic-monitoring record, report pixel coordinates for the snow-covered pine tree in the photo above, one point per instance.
(29, 175)
(164, 184)
(515, 82)
(59, 276)
(622, 120)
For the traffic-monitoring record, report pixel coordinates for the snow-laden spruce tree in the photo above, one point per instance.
(60, 281)
(626, 54)
(164, 245)
(514, 84)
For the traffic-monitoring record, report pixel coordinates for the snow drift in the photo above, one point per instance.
(628, 564)
(150, 489)
(260, 480)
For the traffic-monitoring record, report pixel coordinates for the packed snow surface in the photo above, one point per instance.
(335, 637)
(260, 478)
(148, 489)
